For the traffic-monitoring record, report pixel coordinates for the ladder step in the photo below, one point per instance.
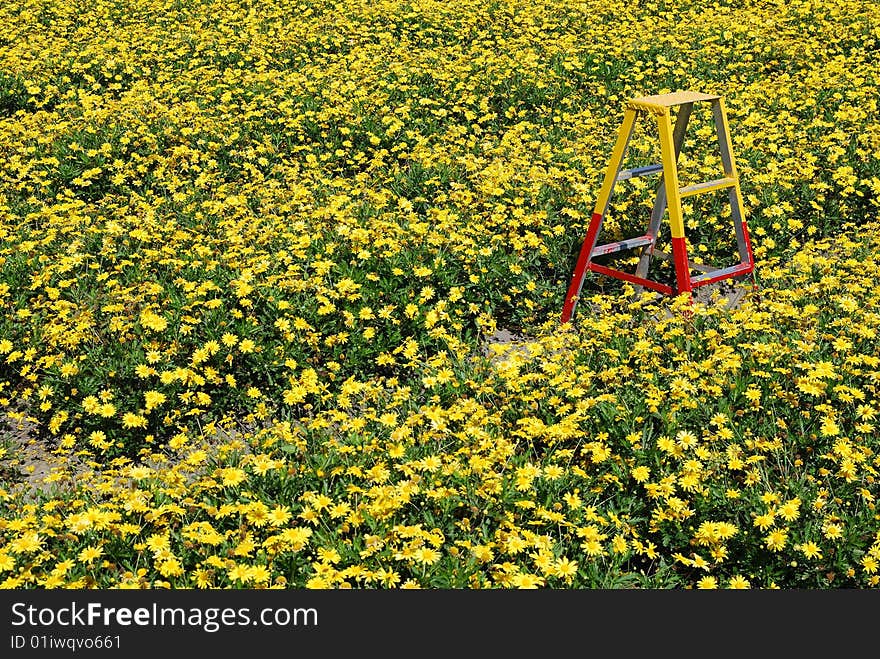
(629, 243)
(708, 186)
(723, 273)
(638, 171)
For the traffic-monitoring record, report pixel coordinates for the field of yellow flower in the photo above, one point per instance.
(253, 255)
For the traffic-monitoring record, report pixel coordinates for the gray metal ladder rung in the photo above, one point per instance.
(638, 171)
(629, 243)
(722, 273)
(708, 186)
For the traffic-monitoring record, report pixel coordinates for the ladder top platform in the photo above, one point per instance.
(660, 101)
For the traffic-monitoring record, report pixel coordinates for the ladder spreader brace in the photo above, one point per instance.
(669, 195)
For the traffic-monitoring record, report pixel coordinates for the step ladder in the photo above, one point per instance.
(669, 195)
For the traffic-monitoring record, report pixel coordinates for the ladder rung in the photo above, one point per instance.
(638, 171)
(629, 243)
(723, 273)
(708, 186)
